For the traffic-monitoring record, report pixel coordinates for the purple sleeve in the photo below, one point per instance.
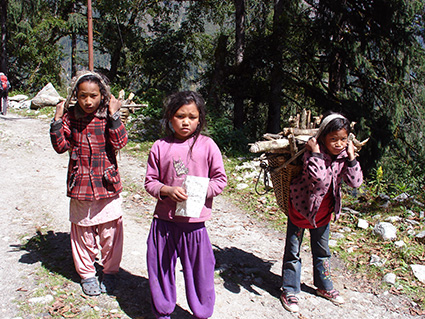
(217, 174)
(353, 176)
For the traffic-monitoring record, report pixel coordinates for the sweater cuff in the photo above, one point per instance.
(55, 125)
(352, 163)
(115, 123)
(318, 155)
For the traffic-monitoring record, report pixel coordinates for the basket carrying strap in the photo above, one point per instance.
(289, 161)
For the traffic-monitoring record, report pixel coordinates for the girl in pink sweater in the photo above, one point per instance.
(177, 230)
(315, 195)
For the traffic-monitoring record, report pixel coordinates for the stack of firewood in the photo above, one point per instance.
(292, 139)
(128, 106)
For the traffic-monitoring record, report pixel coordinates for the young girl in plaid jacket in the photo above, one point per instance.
(91, 131)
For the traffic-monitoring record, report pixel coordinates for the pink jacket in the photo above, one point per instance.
(320, 174)
(170, 161)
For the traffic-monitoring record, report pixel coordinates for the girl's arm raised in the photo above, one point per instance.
(117, 133)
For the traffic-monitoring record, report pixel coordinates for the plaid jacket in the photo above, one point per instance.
(92, 143)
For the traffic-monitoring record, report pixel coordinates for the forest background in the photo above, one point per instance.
(255, 62)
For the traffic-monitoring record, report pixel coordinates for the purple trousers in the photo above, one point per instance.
(189, 242)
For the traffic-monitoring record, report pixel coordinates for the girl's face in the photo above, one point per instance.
(336, 141)
(89, 96)
(185, 121)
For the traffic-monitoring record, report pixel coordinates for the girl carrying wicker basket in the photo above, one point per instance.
(314, 195)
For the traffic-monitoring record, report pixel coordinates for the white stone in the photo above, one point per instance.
(41, 300)
(389, 278)
(48, 96)
(402, 197)
(385, 230)
(18, 98)
(337, 236)
(377, 261)
(399, 244)
(362, 223)
(242, 186)
(332, 243)
(419, 272)
(393, 219)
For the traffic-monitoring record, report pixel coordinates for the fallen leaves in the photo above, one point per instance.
(63, 308)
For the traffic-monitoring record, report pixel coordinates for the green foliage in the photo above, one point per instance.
(32, 63)
(229, 140)
(146, 124)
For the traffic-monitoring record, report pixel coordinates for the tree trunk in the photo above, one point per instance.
(3, 50)
(336, 63)
(276, 77)
(238, 94)
(220, 73)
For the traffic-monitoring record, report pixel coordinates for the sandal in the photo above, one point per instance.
(90, 286)
(107, 284)
(332, 295)
(289, 302)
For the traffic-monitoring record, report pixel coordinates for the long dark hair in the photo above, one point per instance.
(176, 101)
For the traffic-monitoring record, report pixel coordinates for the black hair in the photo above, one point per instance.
(104, 90)
(176, 101)
(336, 124)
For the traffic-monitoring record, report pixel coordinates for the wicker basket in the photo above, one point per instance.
(282, 178)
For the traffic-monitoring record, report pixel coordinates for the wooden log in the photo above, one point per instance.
(271, 136)
(292, 144)
(308, 119)
(303, 119)
(297, 131)
(268, 146)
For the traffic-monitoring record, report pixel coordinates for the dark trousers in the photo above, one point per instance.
(291, 272)
(3, 103)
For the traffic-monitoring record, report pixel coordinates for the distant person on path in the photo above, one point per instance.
(92, 131)
(4, 91)
(314, 196)
(174, 162)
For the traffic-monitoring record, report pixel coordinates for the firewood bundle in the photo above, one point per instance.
(128, 106)
(292, 139)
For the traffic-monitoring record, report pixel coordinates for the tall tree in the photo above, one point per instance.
(3, 49)
(238, 92)
(278, 40)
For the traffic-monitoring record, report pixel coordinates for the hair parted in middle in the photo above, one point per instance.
(176, 101)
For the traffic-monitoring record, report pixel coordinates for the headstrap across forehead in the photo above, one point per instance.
(327, 120)
(76, 80)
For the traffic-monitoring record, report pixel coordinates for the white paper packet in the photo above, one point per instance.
(196, 189)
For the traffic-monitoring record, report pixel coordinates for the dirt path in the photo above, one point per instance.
(32, 197)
